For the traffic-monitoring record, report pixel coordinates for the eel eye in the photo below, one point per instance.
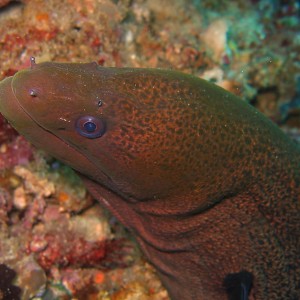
(90, 127)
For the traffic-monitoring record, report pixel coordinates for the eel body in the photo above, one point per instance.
(209, 187)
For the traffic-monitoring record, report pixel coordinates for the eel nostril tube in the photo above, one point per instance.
(32, 62)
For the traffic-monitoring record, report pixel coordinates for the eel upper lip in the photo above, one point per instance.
(2, 84)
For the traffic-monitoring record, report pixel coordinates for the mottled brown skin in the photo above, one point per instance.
(206, 183)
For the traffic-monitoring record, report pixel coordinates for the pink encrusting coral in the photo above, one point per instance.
(7, 133)
(80, 241)
(14, 149)
(78, 253)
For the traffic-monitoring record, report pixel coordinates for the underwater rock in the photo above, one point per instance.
(33, 279)
(8, 291)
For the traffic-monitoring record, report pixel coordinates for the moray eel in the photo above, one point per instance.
(209, 186)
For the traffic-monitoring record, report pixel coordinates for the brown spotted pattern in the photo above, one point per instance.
(207, 184)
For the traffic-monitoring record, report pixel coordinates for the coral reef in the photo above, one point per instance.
(52, 228)
(49, 225)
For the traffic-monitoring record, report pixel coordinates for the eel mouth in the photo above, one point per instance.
(12, 110)
(41, 137)
(21, 120)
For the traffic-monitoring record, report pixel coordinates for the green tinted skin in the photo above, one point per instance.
(206, 183)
